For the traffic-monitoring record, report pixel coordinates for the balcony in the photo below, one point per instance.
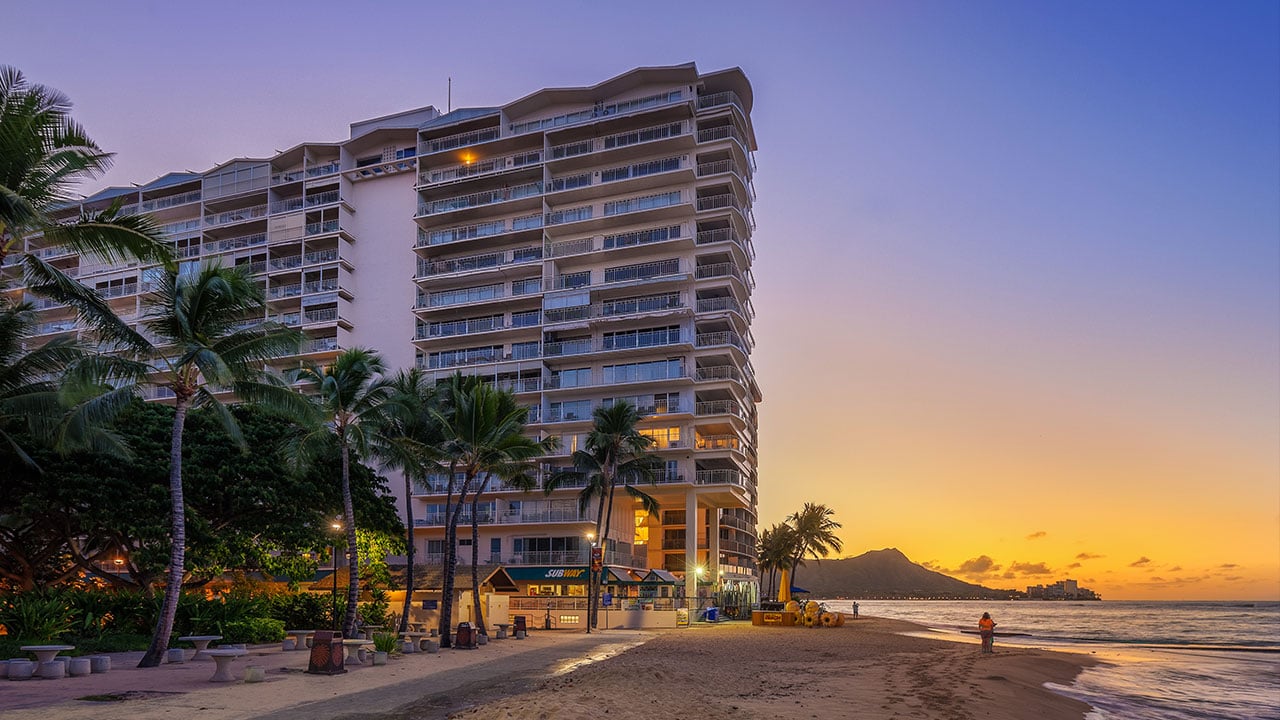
(722, 304)
(719, 235)
(718, 442)
(619, 140)
(466, 171)
(318, 345)
(452, 142)
(719, 407)
(235, 243)
(480, 199)
(232, 217)
(720, 99)
(484, 261)
(478, 230)
(717, 373)
(617, 308)
(299, 203)
(713, 339)
(723, 132)
(719, 477)
(319, 316)
(321, 228)
(461, 327)
(601, 111)
(463, 296)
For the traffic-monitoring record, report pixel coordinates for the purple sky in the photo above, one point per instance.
(1016, 251)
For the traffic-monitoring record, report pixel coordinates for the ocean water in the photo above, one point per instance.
(1161, 660)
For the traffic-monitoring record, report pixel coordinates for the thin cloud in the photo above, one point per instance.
(1141, 562)
(1037, 535)
(1073, 566)
(1089, 556)
(1175, 568)
(1227, 566)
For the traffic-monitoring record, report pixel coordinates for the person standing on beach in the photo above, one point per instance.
(987, 629)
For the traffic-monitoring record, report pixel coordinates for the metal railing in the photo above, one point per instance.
(571, 247)
(719, 407)
(727, 97)
(462, 171)
(718, 442)
(719, 477)
(479, 199)
(461, 327)
(720, 338)
(451, 142)
(235, 243)
(483, 261)
(319, 228)
(231, 217)
(319, 316)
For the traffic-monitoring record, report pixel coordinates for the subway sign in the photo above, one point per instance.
(565, 574)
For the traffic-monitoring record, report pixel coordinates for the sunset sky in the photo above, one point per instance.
(1019, 263)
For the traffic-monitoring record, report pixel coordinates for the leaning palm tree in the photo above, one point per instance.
(616, 453)
(348, 400)
(200, 347)
(43, 154)
(408, 441)
(484, 437)
(815, 534)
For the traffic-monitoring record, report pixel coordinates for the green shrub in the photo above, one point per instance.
(255, 630)
(301, 610)
(9, 649)
(384, 642)
(36, 616)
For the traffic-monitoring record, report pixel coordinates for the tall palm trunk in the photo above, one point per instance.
(592, 578)
(446, 568)
(409, 554)
(353, 560)
(475, 556)
(450, 567)
(611, 479)
(178, 539)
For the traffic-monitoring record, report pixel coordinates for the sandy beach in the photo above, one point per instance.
(867, 669)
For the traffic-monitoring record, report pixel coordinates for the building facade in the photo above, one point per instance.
(580, 246)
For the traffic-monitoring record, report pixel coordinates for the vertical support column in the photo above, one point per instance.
(691, 548)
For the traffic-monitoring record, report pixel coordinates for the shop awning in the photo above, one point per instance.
(660, 577)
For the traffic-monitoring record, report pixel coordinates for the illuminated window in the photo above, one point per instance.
(663, 438)
(642, 528)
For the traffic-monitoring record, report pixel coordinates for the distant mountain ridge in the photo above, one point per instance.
(886, 574)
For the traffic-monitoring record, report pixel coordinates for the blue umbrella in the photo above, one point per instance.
(795, 589)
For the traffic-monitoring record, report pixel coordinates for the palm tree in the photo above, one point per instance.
(484, 437)
(615, 453)
(776, 548)
(43, 153)
(201, 349)
(348, 399)
(409, 440)
(815, 534)
(55, 391)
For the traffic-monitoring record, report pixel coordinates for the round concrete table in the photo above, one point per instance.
(300, 638)
(353, 646)
(223, 658)
(45, 653)
(202, 644)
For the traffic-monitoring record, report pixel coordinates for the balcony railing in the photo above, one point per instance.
(479, 199)
(477, 169)
(479, 262)
(560, 217)
(614, 308)
(720, 338)
(284, 291)
(720, 304)
(718, 442)
(622, 139)
(719, 407)
(461, 327)
(325, 344)
(571, 247)
(451, 142)
(321, 256)
(235, 243)
(718, 202)
(236, 216)
(319, 228)
(718, 167)
(719, 477)
(319, 316)
(723, 132)
(728, 97)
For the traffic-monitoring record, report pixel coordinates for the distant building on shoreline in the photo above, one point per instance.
(1061, 590)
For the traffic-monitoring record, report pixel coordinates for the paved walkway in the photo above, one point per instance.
(420, 684)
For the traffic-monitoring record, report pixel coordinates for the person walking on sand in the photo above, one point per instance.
(987, 629)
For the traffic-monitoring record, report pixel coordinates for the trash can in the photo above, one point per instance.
(521, 624)
(713, 614)
(326, 654)
(466, 638)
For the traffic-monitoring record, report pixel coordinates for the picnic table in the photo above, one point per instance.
(300, 638)
(354, 647)
(45, 653)
(202, 644)
(223, 658)
(502, 630)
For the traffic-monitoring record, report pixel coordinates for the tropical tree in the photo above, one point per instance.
(200, 349)
(776, 548)
(483, 430)
(348, 406)
(615, 453)
(409, 441)
(815, 534)
(43, 154)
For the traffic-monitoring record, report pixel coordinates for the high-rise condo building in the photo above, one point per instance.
(580, 246)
